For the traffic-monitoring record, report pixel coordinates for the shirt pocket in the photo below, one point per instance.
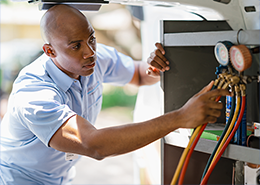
(94, 101)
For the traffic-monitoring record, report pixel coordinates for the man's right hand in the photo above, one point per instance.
(202, 107)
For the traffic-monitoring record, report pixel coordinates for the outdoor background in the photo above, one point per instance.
(21, 43)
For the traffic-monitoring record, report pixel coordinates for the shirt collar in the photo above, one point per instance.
(58, 76)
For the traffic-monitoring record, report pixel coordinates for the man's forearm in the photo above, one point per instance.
(126, 138)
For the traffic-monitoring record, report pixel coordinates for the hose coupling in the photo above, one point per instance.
(243, 89)
(225, 86)
(228, 82)
(237, 90)
(222, 81)
(228, 76)
(216, 82)
(234, 80)
(223, 75)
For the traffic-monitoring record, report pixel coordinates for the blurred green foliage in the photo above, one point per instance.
(4, 1)
(118, 97)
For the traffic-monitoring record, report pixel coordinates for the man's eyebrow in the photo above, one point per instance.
(76, 41)
(92, 33)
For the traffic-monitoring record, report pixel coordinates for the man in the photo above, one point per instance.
(56, 99)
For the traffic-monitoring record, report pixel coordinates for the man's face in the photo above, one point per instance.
(75, 48)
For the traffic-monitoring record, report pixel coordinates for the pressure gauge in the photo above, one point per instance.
(240, 57)
(222, 52)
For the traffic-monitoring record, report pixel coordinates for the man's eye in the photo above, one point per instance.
(76, 46)
(92, 40)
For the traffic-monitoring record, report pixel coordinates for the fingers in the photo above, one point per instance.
(217, 92)
(202, 108)
(211, 119)
(213, 94)
(214, 109)
(208, 108)
(159, 46)
(214, 105)
(215, 113)
(208, 116)
(207, 88)
(158, 60)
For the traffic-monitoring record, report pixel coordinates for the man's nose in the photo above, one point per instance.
(88, 52)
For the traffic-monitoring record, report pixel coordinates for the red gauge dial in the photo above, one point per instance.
(240, 57)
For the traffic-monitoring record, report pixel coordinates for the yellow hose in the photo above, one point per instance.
(184, 154)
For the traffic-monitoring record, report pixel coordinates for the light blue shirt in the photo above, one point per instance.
(42, 99)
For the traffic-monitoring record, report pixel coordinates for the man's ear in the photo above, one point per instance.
(48, 50)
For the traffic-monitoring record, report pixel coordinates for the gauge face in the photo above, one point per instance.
(221, 53)
(237, 58)
(240, 57)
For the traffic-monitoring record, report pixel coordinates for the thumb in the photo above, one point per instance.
(152, 71)
(206, 89)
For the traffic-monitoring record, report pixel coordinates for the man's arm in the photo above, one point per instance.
(77, 135)
(141, 77)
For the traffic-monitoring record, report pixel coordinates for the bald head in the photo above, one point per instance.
(58, 20)
(70, 40)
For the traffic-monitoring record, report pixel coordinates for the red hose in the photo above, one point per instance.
(184, 168)
(206, 177)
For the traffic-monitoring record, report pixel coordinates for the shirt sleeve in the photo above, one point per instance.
(115, 67)
(41, 110)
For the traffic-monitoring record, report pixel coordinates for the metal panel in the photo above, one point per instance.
(191, 68)
(234, 152)
(246, 37)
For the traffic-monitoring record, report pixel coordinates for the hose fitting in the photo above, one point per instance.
(222, 81)
(234, 80)
(237, 90)
(216, 82)
(243, 89)
(228, 82)
(223, 75)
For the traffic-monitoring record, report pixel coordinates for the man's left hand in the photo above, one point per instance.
(157, 61)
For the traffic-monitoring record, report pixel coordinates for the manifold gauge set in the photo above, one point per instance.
(233, 60)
